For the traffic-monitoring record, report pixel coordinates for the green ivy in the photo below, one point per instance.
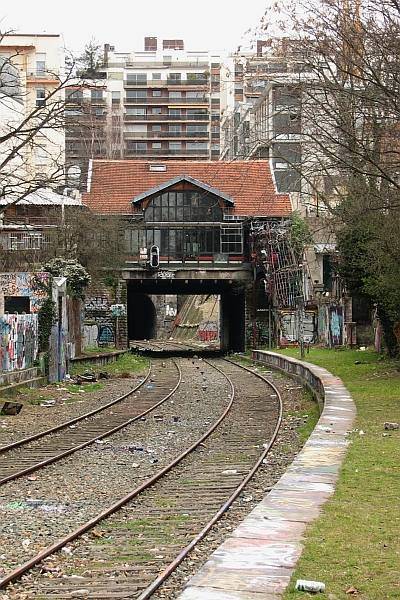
(300, 234)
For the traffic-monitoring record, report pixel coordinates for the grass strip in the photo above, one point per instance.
(354, 547)
(126, 364)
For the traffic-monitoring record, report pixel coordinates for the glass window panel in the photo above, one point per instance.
(164, 208)
(157, 237)
(164, 246)
(172, 243)
(179, 243)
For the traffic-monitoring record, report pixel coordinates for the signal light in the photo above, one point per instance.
(154, 257)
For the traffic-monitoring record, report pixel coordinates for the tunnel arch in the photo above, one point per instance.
(232, 306)
(142, 317)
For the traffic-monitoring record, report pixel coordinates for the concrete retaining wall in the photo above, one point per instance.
(258, 559)
(98, 359)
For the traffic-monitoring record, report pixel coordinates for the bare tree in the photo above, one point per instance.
(29, 128)
(95, 241)
(350, 112)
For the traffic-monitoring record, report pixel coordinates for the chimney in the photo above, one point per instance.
(150, 44)
(262, 44)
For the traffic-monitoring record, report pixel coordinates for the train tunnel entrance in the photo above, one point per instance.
(228, 321)
(142, 317)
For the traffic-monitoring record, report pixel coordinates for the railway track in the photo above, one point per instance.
(173, 346)
(32, 453)
(140, 540)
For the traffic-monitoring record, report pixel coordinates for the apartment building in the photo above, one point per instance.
(162, 102)
(265, 118)
(38, 60)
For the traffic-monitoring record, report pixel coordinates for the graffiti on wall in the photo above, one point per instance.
(323, 321)
(336, 325)
(289, 327)
(106, 334)
(58, 354)
(98, 318)
(257, 333)
(208, 331)
(96, 304)
(25, 284)
(18, 341)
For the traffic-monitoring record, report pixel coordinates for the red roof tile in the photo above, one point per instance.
(115, 183)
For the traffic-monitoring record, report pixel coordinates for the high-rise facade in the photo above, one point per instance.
(264, 121)
(162, 102)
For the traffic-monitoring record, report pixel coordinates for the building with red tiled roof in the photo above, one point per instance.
(187, 232)
(114, 184)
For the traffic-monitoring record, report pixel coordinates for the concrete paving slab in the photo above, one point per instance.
(258, 581)
(247, 553)
(209, 593)
(270, 529)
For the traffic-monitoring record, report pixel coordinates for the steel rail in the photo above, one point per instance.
(66, 424)
(163, 576)
(65, 453)
(22, 569)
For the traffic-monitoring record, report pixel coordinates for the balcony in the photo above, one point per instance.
(157, 64)
(164, 134)
(164, 117)
(165, 152)
(43, 76)
(162, 83)
(166, 100)
(24, 240)
(174, 82)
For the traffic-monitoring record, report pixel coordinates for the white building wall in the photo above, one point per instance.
(40, 63)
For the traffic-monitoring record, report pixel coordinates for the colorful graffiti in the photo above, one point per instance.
(106, 334)
(336, 325)
(18, 341)
(25, 284)
(208, 331)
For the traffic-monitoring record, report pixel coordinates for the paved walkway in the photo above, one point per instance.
(257, 560)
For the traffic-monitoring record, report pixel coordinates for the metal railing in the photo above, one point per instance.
(164, 117)
(159, 64)
(166, 100)
(165, 83)
(164, 134)
(165, 152)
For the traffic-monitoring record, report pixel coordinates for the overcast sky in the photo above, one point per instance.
(203, 24)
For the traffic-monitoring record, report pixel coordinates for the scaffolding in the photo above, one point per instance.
(273, 253)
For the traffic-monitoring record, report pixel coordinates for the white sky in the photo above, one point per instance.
(214, 25)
